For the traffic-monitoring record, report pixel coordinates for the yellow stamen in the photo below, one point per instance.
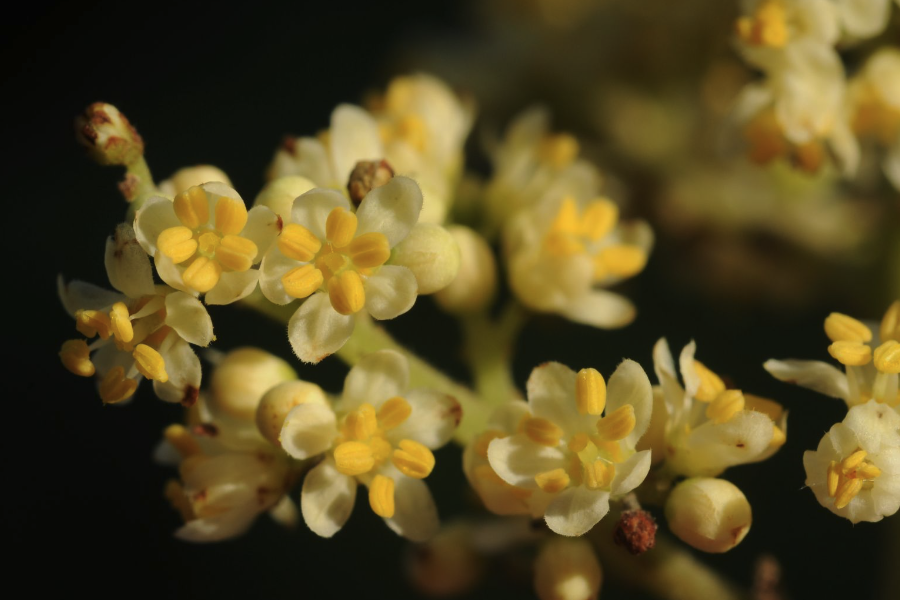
(590, 392)
(413, 459)
(841, 328)
(887, 357)
(890, 324)
(120, 323)
(578, 442)
(623, 260)
(150, 363)
(302, 281)
(182, 440)
(346, 293)
(553, 481)
(330, 262)
(381, 449)
(833, 478)
(91, 322)
(192, 207)
(611, 450)
(353, 458)
(726, 405)
(852, 354)
(562, 244)
(231, 216)
(566, 220)
(543, 432)
(598, 474)
(766, 27)
(362, 423)
(853, 461)
(298, 242)
(868, 471)
(369, 250)
(711, 385)
(559, 150)
(847, 491)
(618, 424)
(484, 440)
(207, 244)
(177, 243)
(413, 131)
(340, 227)
(381, 496)
(393, 412)
(768, 407)
(115, 387)
(76, 357)
(236, 253)
(202, 275)
(598, 219)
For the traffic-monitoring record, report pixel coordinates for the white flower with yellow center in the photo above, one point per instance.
(334, 260)
(767, 27)
(855, 471)
(144, 330)
(874, 103)
(579, 444)
(871, 362)
(559, 253)
(709, 428)
(380, 435)
(206, 242)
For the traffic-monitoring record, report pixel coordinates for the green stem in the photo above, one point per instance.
(138, 185)
(488, 348)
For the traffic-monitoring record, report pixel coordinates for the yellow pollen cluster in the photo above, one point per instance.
(208, 250)
(847, 478)
(711, 385)
(851, 341)
(767, 26)
(590, 392)
(336, 265)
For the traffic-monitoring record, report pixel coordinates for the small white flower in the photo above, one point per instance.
(572, 453)
(379, 434)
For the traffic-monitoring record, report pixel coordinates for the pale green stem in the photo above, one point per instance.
(488, 350)
(137, 174)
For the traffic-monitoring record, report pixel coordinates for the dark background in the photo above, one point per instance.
(84, 510)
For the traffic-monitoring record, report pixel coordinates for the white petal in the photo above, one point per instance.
(262, 228)
(630, 385)
(309, 429)
(312, 162)
(219, 527)
(354, 137)
(155, 216)
(576, 510)
(863, 18)
(312, 209)
(390, 292)
(188, 317)
(317, 330)
(516, 459)
(127, 265)
(232, 287)
(688, 371)
(80, 295)
(602, 309)
(377, 377)
(677, 402)
(551, 395)
(434, 418)
(507, 417)
(876, 425)
(274, 266)
(327, 499)
(183, 368)
(415, 514)
(171, 273)
(631, 473)
(391, 209)
(812, 374)
(285, 513)
(713, 447)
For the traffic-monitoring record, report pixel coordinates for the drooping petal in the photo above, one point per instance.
(377, 377)
(673, 394)
(629, 385)
(170, 273)
(285, 513)
(688, 371)
(433, 419)
(183, 368)
(551, 395)
(312, 209)
(127, 265)
(812, 374)
(327, 498)
(233, 286)
(189, 318)
(317, 330)
(155, 216)
(602, 309)
(391, 209)
(262, 228)
(275, 266)
(516, 459)
(354, 137)
(631, 473)
(713, 447)
(390, 292)
(219, 527)
(309, 429)
(81, 295)
(415, 514)
(576, 510)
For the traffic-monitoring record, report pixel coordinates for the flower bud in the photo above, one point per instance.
(446, 565)
(366, 176)
(184, 179)
(431, 253)
(475, 285)
(241, 379)
(108, 136)
(567, 569)
(278, 402)
(279, 194)
(710, 514)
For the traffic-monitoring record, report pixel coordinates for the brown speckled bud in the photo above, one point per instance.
(366, 176)
(635, 531)
(108, 135)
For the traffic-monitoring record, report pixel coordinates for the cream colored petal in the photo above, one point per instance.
(812, 374)
(602, 309)
(516, 459)
(631, 473)
(233, 287)
(170, 273)
(713, 447)
(863, 19)
(219, 527)
(275, 266)
(377, 377)
(317, 330)
(390, 292)
(354, 137)
(434, 418)
(189, 318)
(392, 209)
(629, 385)
(285, 513)
(576, 510)
(312, 209)
(876, 425)
(262, 228)
(415, 514)
(81, 295)
(676, 401)
(155, 216)
(279, 194)
(688, 371)
(312, 162)
(551, 395)
(309, 429)
(183, 368)
(127, 265)
(327, 498)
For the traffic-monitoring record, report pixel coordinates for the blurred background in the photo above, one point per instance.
(748, 261)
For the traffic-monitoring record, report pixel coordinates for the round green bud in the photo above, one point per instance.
(431, 253)
(474, 286)
(710, 514)
(242, 377)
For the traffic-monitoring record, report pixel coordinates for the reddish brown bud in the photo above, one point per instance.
(366, 176)
(108, 135)
(635, 531)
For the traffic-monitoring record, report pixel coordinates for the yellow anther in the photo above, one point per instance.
(852, 354)
(182, 440)
(766, 27)
(611, 450)
(330, 262)
(177, 243)
(174, 493)
(413, 131)
(726, 405)
(578, 442)
(598, 474)
(618, 424)
(847, 491)
(622, 260)
(346, 293)
(778, 437)
(202, 275)
(542, 431)
(711, 385)
(381, 496)
(590, 392)
(192, 207)
(768, 407)
(413, 459)
(381, 449)
(890, 324)
(833, 478)
(340, 227)
(120, 323)
(207, 244)
(765, 137)
(887, 357)
(841, 328)
(369, 250)
(868, 471)
(599, 218)
(566, 219)
(115, 387)
(236, 253)
(484, 440)
(231, 216)
(76, 357)
(91, 322)
(559, 150)
(150, 363)
(562, 244)
(853, 461)
(362, 423)
(393, 412)
(298, 242)
(553, 481)
(302, 281)
(353, 458)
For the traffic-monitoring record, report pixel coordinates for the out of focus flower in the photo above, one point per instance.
(475, 284)
(874, 101)
(108, 135)
(710, 514)
(567, 569)
(184, 179)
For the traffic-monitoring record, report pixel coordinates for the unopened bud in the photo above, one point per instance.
(446, 565)
(278, 402)
(184, 179)
(635, 531)
(567, 569)
(710, 514)
(241, 379)
(475, 284)
(279, 194)
(431, 253)
(108, 136)
(366, 176)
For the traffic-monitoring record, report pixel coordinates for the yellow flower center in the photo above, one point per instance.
(767, 26)
(849, 477)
